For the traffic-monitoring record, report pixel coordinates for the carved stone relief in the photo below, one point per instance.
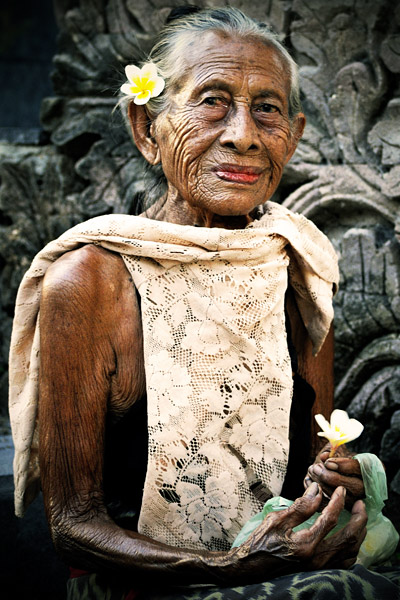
(345, 175)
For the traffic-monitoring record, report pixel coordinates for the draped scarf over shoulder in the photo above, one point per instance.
(218, 374)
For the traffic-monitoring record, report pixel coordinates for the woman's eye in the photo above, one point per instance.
(215, 101)
(266, 108)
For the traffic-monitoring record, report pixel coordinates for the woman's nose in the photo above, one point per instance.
(241, 133)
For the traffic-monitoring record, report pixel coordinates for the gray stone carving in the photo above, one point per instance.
(345, 175)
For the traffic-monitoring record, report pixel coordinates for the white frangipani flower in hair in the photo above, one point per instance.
(340, 430)
(143, 83)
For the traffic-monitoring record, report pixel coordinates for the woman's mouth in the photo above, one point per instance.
(238, 174)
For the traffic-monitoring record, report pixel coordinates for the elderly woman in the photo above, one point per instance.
(178, 316)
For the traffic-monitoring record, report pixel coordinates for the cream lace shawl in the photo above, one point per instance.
(218, 372)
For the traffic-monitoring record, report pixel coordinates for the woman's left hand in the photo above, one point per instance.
(330, 473)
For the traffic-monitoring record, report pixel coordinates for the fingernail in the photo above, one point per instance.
(317, 469)
(333, 466)
(312, 490)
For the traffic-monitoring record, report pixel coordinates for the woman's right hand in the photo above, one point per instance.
(276, 549)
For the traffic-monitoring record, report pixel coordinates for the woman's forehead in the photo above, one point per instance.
(219, 57)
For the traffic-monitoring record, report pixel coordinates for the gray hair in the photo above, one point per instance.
(168, 51)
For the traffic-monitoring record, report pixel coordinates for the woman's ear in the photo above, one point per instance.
(140, 124)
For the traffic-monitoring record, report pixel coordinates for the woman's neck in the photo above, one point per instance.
(162, 210)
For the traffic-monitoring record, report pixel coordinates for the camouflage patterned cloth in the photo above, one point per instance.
(357, 583)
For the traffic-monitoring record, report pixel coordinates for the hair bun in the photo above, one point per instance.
(182, 11)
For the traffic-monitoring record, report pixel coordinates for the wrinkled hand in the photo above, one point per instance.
(341, 470)
(306, 549)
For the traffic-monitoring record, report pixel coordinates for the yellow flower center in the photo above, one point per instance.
(142, 85)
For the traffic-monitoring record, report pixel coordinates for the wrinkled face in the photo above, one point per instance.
(227, 136)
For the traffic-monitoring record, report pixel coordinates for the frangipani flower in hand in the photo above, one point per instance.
(143, 83)
(340, 430)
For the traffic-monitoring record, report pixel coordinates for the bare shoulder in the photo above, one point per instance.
(91, 285)
(89, 300)
(90, 267)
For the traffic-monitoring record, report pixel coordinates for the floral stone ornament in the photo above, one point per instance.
(340, 430)
(143, 83)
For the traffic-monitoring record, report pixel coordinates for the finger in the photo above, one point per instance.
(360, 512)
(352, 535)
(323, 453)
(340, 549)
(297, 513)
(304, 507)
(340, 558)
(346, 466)
(307, 481)
(327, 520)
(322, 456)
(329, 479)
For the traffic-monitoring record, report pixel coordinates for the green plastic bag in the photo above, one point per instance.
(381, 539)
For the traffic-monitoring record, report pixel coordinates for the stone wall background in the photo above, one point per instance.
(345, 175)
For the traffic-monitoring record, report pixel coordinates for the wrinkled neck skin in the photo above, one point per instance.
(169, 209)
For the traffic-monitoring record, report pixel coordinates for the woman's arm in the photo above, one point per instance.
(91, 364)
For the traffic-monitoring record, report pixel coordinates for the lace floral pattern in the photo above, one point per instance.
(217, 367)
(204, 512)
